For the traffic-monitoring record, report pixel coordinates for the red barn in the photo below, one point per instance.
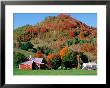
(28, 64)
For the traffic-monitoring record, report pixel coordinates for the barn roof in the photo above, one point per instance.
(37, 60)
(27, 62)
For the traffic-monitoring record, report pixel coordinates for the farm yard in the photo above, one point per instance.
(58, 45)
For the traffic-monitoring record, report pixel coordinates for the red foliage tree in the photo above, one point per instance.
(71, 33)
(43, 30)
(39, 54)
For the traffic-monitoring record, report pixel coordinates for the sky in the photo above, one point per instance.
(21, 19)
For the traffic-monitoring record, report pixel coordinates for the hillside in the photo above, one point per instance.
(56, 32)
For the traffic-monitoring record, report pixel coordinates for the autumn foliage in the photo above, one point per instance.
(39, 54)
(63, 52)
(50, 56)
(88, 47)
(59, 34)
(71, 33)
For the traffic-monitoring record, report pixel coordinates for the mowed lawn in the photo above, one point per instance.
(55, 72)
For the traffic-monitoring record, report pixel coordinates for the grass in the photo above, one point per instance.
(55, 72)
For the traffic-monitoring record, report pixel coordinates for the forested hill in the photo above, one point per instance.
(56, 32)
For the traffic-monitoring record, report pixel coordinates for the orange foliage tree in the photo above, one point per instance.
(63, 52)
(50, 56)
(49, 59)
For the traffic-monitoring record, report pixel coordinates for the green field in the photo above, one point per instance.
(55, 72)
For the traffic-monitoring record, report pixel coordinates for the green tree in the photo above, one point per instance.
(83, 57)
(47, 51)
(76, 40)
(70, 59)
(26, 46)
(56, 62)
(76, 33)
(18, 58)
(29, 45)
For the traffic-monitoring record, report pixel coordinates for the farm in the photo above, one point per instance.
(59, 45)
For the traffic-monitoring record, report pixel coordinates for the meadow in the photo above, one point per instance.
(55, 72)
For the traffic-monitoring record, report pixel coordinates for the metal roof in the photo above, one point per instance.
(37, 60)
